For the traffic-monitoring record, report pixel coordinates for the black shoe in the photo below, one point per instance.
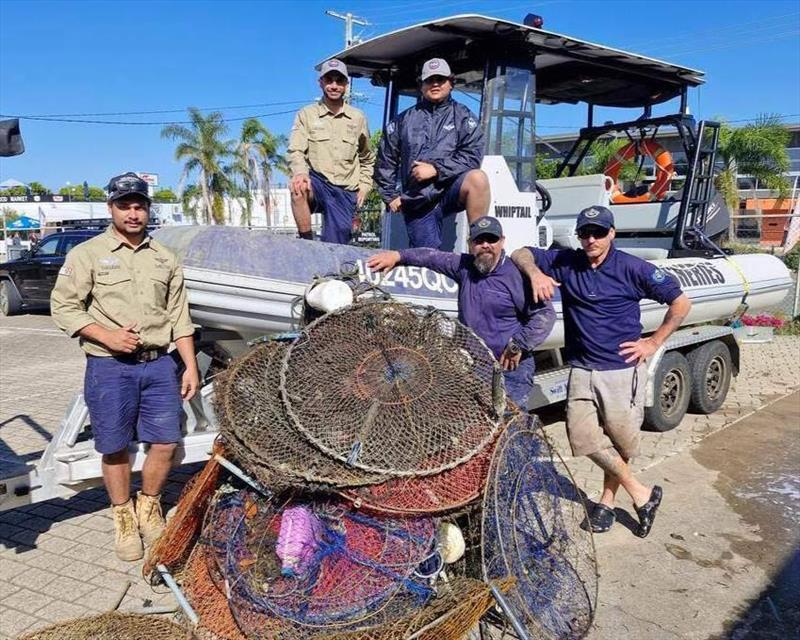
(601, 519)
(647, 512)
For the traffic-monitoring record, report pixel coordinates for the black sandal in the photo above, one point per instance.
(601, 520)
(647, 512)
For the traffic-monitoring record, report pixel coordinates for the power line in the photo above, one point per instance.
(119, 122)
(159, 111)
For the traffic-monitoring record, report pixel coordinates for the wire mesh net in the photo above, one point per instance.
(113, 626)
(393, 388)
(531, 531)
(176, 542)
(438, 493)
(360, 572)
(455, 609)
(258, 433)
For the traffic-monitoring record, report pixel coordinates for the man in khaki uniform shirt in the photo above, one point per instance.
(330, 158)
(122, 293)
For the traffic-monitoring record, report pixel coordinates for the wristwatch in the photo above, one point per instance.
(513, 348)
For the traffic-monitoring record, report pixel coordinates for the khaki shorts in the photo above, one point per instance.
(606, 409)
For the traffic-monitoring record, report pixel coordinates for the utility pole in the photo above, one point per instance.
(349, 21)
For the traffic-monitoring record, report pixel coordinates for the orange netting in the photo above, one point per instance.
(175, 544)
(113, 626)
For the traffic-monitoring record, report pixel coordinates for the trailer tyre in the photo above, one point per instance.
(711, 368)
(672, 388)
(10, 300)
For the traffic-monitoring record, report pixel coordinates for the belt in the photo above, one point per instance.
(148, 355)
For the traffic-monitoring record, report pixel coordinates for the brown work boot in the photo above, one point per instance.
(151, 520)
(127, 542)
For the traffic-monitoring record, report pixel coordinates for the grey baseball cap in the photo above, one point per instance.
(486, 225)
(598, 215)
(435, 67)
(333, 65)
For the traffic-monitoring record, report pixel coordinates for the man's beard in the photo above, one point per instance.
(484, 262)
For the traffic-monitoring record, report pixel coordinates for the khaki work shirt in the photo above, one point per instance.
(106, 281)
(336, 146)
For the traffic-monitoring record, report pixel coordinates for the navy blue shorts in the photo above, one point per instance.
(520, 382)
(337, 206)
(424, 226)
(130, 401)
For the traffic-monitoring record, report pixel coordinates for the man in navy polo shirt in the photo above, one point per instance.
(493, 300)
(601, 288)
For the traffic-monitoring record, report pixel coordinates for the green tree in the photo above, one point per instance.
(9, 215)
(257, 155)
(15, 191)
(190, 198)
(602, 152)
(38, 189)
(165, 195)
(203, 149)
(545, 167)
(758, 150)
(75, 192)
(372, 209)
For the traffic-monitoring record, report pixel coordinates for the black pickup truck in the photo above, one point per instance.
(25, 283)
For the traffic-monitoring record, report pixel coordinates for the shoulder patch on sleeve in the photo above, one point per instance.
(65, 271)
(390, 127)
(658, 276)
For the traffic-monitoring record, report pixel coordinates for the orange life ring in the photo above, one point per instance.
(665, 169)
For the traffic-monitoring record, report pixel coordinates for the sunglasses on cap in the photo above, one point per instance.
(128, 184)
(589, 231)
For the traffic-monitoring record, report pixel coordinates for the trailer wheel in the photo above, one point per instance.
(711, 368)
(672, 388)
(10, 301)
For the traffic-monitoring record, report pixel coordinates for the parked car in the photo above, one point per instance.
(25, 283)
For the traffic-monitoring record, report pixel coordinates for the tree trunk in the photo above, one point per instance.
(207, 212)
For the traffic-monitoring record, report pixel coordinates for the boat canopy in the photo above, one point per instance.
(567, 70)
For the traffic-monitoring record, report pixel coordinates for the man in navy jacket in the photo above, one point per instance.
(429, 160)
(493, 300)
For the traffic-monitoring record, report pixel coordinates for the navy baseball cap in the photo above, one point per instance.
(125, 185)
(485, 225)
(598, 216)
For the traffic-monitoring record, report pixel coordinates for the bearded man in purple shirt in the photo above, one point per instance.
(493, 300)
(601, 288)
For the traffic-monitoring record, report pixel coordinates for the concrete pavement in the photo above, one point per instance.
(57, 560)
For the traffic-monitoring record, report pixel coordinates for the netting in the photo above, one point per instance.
(113, 626)
(531, 531)
(258, 433)
(175, 544)
(439, 493)
(393, 388)
(360, 571)
(455, 609)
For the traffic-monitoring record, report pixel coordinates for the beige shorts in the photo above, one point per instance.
(606, 409)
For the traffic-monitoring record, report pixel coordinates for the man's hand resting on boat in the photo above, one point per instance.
(384, 261)
(300, 185)
(543, 286)
(394, 205)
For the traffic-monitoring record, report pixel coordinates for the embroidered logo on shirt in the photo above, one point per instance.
(658, 276)
(449, 127)
(390, 128)
(109, 263)
(471, 123)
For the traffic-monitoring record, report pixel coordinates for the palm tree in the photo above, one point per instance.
(257, 154)
(758, 150)
(203, 148)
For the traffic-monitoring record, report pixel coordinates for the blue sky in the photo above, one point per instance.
(98, 57)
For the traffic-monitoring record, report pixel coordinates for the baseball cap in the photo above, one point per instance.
(333, 65)
(435, 67)
(597, 215)
(485, 226)
(125, 185)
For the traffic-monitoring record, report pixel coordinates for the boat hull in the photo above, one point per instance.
(252, 282)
